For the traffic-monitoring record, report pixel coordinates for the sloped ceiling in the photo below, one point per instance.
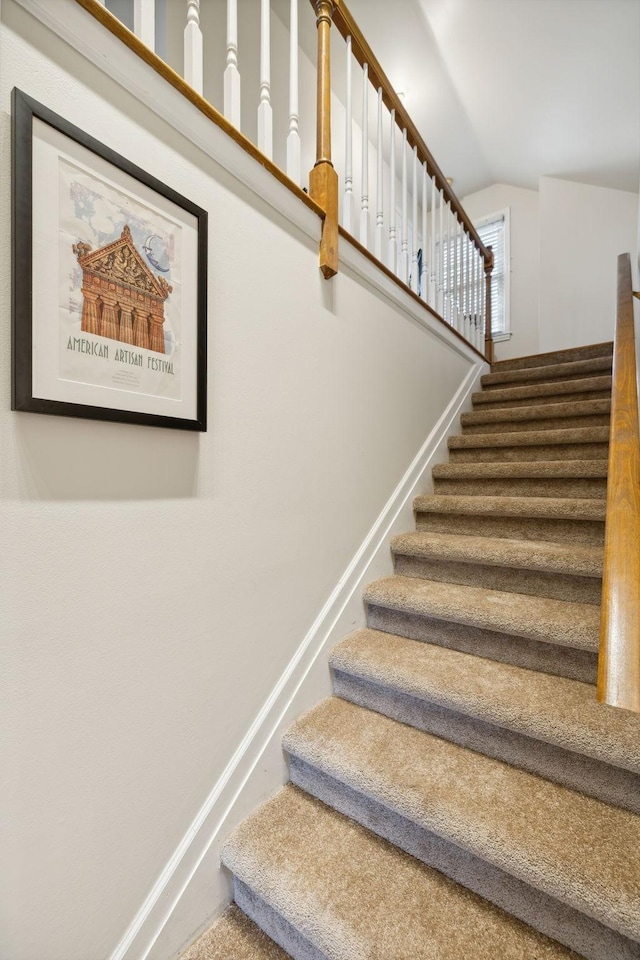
(509, 90)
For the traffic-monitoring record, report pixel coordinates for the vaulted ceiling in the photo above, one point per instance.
(509, 90)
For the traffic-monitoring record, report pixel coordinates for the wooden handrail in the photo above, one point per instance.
(347, 27)
(619, 657)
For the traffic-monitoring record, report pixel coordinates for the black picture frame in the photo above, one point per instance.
(189, 416)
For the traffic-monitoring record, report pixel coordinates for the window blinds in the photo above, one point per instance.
(492, 235)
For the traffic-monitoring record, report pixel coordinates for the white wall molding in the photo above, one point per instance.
(244, 783)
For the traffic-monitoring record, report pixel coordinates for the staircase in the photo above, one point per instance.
(463, 796)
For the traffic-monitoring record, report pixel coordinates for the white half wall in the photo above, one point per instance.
(582, 231)
(523, 205)
(160, 589)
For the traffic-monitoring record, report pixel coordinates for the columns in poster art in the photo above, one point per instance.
(90, 312)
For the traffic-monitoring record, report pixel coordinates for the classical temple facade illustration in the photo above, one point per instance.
(122, 299)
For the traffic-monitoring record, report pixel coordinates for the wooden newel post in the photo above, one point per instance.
(488, 339)
(323, 179)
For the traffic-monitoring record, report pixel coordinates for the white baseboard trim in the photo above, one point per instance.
(193, 889)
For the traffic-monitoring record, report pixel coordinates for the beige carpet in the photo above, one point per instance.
(462, 796)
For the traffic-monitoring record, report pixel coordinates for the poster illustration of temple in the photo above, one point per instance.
(122, 299)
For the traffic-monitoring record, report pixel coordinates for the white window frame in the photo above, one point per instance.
(481, 222)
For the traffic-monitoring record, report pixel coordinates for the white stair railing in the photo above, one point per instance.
(265, 112)
(193, 47)
(232, 103)
(294, 169)
(144, 21)
(417, 227)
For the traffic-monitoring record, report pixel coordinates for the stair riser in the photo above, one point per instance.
(521, 528)
(274, 924)
(532, 654)
(546, 914)
(525, 454)
(557, 586)
(522, 426)
(520, 378)
(558, 356)
(576, 771)
(485, 401)
(591, 487)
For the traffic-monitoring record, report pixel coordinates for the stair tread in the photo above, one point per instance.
(521, 468)
(563, 622)
(567, 368)
(578, 559)
(584, 385)
(317, 868)
(558, 711)
(571, 508)
(579, 850)
(526, 438)
(543, 411)
(556, 356)
(234, 937)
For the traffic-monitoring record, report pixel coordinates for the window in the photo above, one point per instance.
(494, 232)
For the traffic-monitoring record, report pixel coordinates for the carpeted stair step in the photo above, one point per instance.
(539, 478)
(582, 443)
(545, 416)
(570, 355)
(549, 373)
(329, 889)
(234, 937)
(555, 636)
(542, 568)
(565, 520)
(566, 863)
(585, 388)
(548, 725)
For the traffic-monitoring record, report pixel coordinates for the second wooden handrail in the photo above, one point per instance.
(619, 656)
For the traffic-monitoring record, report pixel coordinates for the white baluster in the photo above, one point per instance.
(404, 244)
(294, 169)
(231, 73)
(393, 241)
(364, 204)
(479, 301)
(467, 284)
(414, 224)
(456, 244)
(193, 56)
(347, 210)
(446, 283)
(441, 256)
(463, 281)
(483, 288)
(379, 239)
(433, 247)
(474, 329)
(144, 21)
(265, 111)
(424, 273)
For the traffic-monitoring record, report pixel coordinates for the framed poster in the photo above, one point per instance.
(109, 282)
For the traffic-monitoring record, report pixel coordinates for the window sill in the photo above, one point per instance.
(497, 337)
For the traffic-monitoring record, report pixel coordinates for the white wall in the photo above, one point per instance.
(157, 585)
(582, 231)
(523, 205)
